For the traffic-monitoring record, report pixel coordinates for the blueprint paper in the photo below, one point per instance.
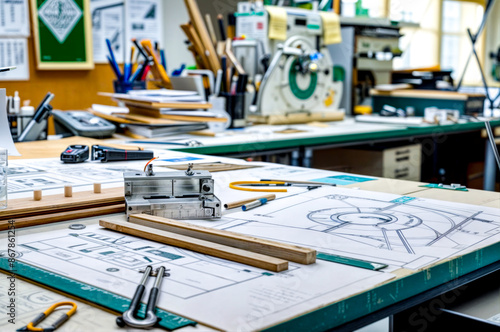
(398, 230)
(14, 18)
(108, 22)
(14, 52)
(213, 291)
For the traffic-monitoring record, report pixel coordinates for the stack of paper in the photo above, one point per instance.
(156, 113)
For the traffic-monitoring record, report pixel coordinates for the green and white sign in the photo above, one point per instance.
(62, 34)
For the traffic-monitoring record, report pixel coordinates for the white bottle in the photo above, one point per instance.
(26, 113)
(17, 102)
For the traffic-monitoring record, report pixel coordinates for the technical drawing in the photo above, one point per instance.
(365, 224)
(210, 290)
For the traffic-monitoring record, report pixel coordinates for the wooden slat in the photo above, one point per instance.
(156, 114)
(194, 244)
(63, 216)
(157, 105)
(25, 207)
(262, 246)
(148, 119)
(197, 44)
(201, 29)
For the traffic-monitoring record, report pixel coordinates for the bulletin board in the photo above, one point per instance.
(62, 31)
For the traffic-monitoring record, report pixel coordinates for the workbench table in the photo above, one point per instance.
(351, 312)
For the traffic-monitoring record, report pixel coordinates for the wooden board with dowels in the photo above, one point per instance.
(63, 216)
(51, 204)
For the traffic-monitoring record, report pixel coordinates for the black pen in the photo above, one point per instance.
(223, 61)
(222, 31)
(241, 86)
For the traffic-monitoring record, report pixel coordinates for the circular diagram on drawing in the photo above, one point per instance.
(361, 218)
(374, 226)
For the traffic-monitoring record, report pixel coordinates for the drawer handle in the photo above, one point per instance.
(403, 152)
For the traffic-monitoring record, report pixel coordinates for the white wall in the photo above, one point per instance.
(175, 14)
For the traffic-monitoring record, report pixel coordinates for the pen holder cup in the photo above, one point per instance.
(235, 107)
(124, 87)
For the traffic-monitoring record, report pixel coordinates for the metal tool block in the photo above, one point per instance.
(176, 194)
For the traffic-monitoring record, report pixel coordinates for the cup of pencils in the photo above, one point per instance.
(133, 76)
(121, 86)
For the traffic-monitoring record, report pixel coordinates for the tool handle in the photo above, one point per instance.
(153, 299)
(114, 155)
(135, 304)
(60, 321)
(38, 319)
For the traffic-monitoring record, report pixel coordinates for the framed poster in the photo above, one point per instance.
(62, 32)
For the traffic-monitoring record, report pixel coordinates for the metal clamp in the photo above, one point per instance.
(38, 319)
(130, 317)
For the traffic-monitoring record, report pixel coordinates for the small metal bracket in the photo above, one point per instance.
(190, 171)
(149, 170)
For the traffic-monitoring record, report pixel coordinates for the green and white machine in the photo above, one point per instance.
(300, 77)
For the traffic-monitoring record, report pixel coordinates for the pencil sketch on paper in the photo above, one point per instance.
(362, 223)
(111, 261)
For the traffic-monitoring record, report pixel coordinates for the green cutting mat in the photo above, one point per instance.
(90, 293)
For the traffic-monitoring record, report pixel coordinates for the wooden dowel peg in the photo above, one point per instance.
(37, 195)
(97, 188)
(68, 191)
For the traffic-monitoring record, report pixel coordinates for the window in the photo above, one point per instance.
(442, 39)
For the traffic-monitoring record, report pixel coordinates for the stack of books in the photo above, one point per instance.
(157, 113)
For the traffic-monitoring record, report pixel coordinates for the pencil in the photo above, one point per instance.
(222, 31)
(139, 48)
(236, 204)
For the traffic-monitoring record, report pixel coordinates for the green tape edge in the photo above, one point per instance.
(350, 261)
(435, 186)
(89, 293)
(341, 312)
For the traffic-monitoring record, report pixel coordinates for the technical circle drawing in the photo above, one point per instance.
(375, 226)
(359, 218)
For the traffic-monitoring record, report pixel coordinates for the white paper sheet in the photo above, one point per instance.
(144, 20)
(108, 21)
(397, 230)
(14, 20)
(5, 135)
(14, 52)
(220, 293)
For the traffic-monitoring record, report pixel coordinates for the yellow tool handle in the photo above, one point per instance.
(46, 313)
(234, 185)
(157, 68)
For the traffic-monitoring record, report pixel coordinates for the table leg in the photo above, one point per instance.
(307, 159)
(490, 168)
